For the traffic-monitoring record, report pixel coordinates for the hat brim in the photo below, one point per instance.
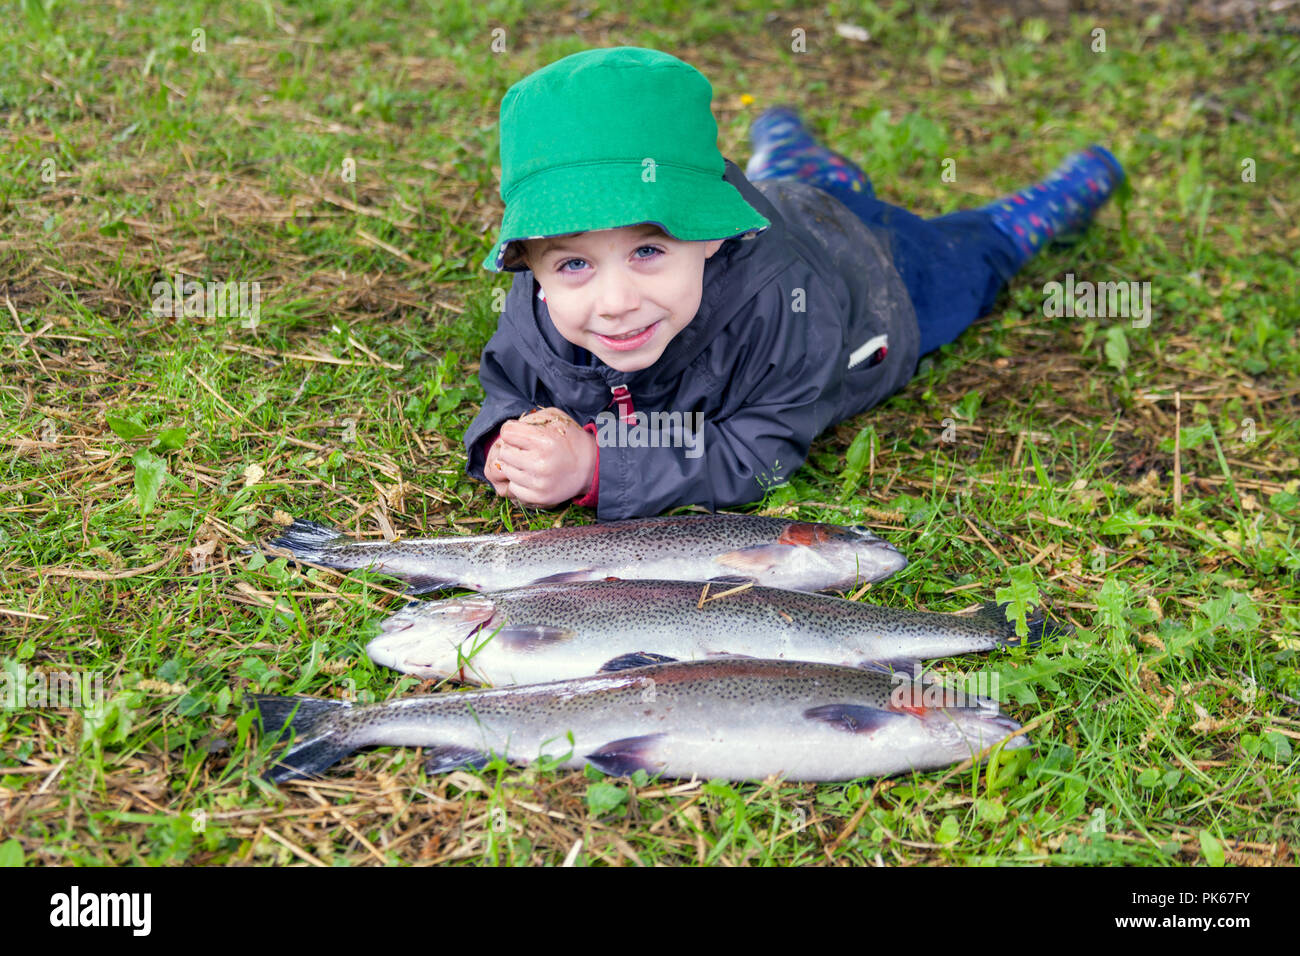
(689, 204)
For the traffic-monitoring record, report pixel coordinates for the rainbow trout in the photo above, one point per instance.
(776, 552)
(556, 631)
(736, 718)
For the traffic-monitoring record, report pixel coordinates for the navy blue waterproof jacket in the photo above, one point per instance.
(766, 360)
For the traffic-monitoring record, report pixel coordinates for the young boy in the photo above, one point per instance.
(677, 335)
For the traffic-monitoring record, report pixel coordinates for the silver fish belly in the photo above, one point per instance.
(737, 719)
(777, 552)
(549, 632)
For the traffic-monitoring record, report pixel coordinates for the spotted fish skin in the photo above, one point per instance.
(777, 552)
(556, 631)
(737, 718)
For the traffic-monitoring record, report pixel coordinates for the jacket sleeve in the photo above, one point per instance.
(508, 389)
(783, 378)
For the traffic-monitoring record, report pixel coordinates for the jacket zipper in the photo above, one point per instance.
(623, 399)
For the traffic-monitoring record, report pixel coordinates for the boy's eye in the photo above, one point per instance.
(642, 253)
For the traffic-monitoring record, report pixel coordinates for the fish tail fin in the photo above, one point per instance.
(1041, 627)
(306, 539)
(315, 739)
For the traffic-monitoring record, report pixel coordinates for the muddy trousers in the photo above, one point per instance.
(953, 266)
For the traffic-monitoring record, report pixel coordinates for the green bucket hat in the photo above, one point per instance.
(610, 138)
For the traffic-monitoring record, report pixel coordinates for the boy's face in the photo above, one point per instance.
(621, 294)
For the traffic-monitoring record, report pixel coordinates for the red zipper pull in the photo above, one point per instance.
(623, 399)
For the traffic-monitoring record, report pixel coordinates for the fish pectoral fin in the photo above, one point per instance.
(852, 718)
(757, 559)
(635, 659)
(622, 758)
(446, 759)
(531, 637)
(568, 577)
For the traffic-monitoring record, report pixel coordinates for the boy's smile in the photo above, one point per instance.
(622, 294)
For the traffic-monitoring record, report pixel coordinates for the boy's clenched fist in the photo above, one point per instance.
(542, 459)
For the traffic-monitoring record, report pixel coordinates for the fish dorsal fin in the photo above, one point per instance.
(851, 718)
(635, 659)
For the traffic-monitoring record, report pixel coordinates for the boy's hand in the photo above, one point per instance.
(492, 469)
(545, 457)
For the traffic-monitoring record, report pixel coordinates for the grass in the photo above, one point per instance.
(1141, 480)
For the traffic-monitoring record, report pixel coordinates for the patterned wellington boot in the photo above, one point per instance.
(784, 149)
(1064, 202)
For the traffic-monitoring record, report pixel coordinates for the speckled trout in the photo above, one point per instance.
(777, 552)
(735, 718)
(556, 631)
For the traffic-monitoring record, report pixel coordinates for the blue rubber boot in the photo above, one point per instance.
(784, 149)
(1064, 202)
